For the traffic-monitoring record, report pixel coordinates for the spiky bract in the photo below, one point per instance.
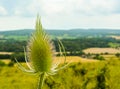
(40, 50)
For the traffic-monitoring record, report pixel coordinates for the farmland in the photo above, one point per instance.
(102, 50)
(94, 60)
(6, 53)
(116, 37)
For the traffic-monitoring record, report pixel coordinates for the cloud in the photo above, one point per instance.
(2, 11)
(12, 5)
(12, 23)
(85, 7)
(95, 7)
(61, 7)
(61, 13)
(68, 22)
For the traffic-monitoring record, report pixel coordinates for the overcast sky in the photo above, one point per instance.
(60, 14)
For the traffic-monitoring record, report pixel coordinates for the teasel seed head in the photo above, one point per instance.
(39, 49)
(40, 55)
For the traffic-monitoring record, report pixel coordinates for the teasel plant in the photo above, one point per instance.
(40, 55)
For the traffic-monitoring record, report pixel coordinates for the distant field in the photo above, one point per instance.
(6, 53)
(116, 37)
(20, 38)
(68, 59)
(102, 50)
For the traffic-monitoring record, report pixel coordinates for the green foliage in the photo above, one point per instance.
(4, 56)
(19, 56)
(114, 45)
(101, 78)
(10, 64)
(75, 45)
(12, 46)
(2, 63)
(117, 54)
(99, 57)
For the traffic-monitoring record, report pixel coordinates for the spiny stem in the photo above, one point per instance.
(41, 80)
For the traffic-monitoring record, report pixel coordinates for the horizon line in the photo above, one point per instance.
(62, 29)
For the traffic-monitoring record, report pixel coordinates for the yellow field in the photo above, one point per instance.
(75, 59)
(6, 61)
(102, 50)
(68, 59)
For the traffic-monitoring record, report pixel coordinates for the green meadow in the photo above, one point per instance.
(78, 75)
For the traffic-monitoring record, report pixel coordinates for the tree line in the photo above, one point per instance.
(71, 45)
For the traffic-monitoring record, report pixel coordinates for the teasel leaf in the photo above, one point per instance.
(23, 68)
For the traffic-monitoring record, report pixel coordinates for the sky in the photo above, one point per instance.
(60, 14)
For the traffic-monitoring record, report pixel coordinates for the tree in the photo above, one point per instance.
(19, 56)
(117, 54)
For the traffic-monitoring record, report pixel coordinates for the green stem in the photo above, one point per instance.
(41, 80)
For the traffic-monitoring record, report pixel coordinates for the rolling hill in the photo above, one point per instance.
(72, 33)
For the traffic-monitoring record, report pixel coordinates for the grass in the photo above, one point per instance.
(12, 78)
(78, 75)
